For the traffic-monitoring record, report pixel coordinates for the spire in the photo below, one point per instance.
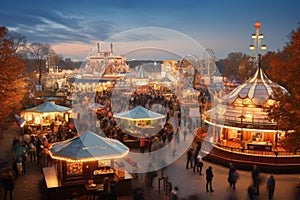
(257, 46)
(98, 47)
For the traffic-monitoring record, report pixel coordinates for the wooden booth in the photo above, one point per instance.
(82, 165)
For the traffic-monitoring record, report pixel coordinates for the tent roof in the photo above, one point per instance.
(48, 107)
(258, 89)
(88, 146)
(141, 73)
(93, 105)
(139, 113)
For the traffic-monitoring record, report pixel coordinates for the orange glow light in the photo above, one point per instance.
(257, 25)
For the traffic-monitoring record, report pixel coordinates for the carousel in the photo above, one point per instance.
(240, 130)
(241, 118)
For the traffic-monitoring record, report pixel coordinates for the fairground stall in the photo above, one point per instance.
(139, 122)
(83, 163)
(46, 115)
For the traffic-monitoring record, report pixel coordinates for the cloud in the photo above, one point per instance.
(56, 27)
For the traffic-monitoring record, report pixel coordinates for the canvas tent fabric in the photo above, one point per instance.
(258, 89)
(88, 146)
(48, 107)
(139, 113)
(94, 105)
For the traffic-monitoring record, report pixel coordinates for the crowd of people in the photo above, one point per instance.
(194, 161)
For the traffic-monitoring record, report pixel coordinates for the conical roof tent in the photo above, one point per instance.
(139, 113)
(48, 107)
(86, 147)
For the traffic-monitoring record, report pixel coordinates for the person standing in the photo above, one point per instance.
(209, 178)
(8, 181)
(271, 186)
(142, 144)
(189, 158)
(200, 163)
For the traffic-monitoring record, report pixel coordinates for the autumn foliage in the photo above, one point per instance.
(285, 69)
(11, 81)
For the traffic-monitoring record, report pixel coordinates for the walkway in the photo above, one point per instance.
(28, 186)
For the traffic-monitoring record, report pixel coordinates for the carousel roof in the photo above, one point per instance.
(88, 146)
(48, 107)
(258, 89)
(139, 113)
(246, 101)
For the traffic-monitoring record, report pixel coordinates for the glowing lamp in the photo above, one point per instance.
(263, 47)
(253, 36)
(257, 25)
(251, 47)
(20, 120)
(261, 36)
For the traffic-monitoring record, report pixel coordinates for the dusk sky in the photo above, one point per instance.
(73, 27)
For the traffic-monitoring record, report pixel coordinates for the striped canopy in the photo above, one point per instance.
(258, 89)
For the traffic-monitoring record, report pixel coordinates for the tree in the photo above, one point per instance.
(40, 53)
(11, 76)
(236, 64)
(285, 66)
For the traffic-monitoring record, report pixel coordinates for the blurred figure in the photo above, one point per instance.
(174, 194)
(107, 193)
(189, 160)
(256, 179)
(142, 144)
(271, 186)
(251, 192)
(8, 180)
(232, 175)
(138, 194)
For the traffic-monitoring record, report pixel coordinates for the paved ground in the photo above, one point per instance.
(28, 186)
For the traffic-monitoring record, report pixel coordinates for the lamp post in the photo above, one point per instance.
(242, 117)
(20, 121)
(257, 46)
(276, 143)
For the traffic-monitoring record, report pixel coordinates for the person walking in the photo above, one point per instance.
(232, 175)
(251, 192)
(209, 178)
(271, 186)
(189, 158)
(256, 179)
